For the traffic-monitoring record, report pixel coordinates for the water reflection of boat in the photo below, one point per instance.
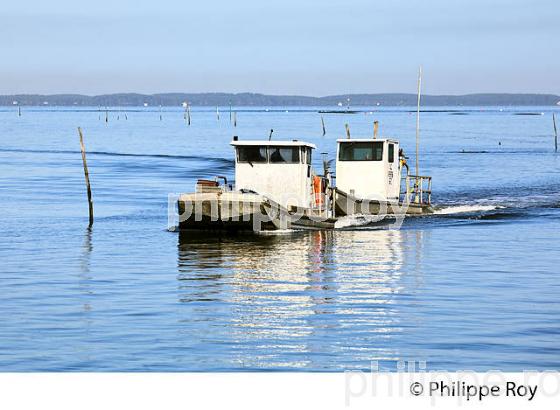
(292, 300)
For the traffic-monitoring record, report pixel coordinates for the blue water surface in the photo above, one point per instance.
(478, 289)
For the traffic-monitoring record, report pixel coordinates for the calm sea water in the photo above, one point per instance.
(460, 290)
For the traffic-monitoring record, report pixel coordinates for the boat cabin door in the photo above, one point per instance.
(393, 171)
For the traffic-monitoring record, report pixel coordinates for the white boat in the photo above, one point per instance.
(275, 189)
(369, 180)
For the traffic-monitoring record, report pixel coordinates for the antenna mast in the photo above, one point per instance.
(418, 119)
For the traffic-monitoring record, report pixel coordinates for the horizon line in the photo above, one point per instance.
(479, 93)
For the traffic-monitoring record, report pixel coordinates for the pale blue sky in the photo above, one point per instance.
(279, 47)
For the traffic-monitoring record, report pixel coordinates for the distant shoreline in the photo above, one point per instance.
(263, 100)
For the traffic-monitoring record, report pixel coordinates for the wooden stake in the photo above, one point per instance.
(418, 120)
(86, 173)
(188, 114)
(235, 118)
(106, 114)
(270, 135)
(375, 129)
(323, 125)
(217, 114)
(19, 110)
(555, 133)
(347, 131)
(160, 117)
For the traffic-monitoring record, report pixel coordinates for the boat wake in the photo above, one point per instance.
(461, 209)
(357, 220)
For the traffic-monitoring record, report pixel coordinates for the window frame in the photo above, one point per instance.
(302, 157)
(347, 145)
(294, 149)
(240, 147)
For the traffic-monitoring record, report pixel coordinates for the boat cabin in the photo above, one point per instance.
(369, 168)
(279, 170)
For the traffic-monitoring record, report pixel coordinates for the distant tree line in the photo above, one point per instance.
(251, 99)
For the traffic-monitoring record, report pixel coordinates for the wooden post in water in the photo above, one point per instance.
(19, 110)
(347, 131)
(188, 113)
(270, 135)
(230, 112)
(106, 115)
(235, 118)
(418, 121)
(160, 116)
(555, 133)
(86, 173)
(217, 114)
(375, 129)
(323, 125)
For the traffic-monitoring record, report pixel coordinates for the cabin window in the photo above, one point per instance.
(286, 155)
(391, 153)
(308, 155)
(361, 151)
(251, 154)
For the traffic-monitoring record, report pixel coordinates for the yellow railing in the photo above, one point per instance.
(418, 189)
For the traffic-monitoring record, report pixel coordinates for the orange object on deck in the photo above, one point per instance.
(317, 190)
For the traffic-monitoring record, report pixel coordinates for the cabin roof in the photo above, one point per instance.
(366, 140)
(260, 143)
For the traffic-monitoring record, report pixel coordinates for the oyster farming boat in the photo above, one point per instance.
(369, 180)
(276, 188)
